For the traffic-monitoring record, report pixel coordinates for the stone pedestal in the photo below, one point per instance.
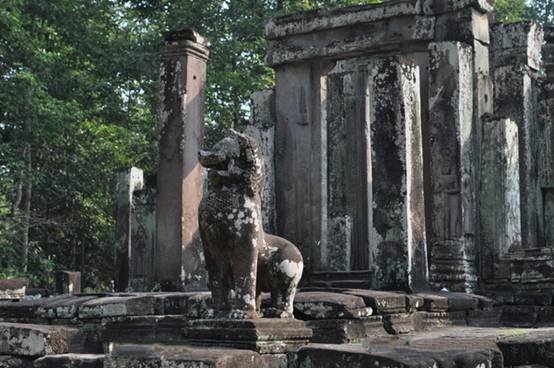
(178, 256)
(264, 335)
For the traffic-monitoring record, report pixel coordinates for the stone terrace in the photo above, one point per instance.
(349, 325)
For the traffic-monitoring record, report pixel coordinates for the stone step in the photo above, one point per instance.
(326, 305)
(331, 356)
(70, 361)
(10, 361)
(178, 356)
(36, 340)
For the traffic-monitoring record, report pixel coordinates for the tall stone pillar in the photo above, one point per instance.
(396, 203)
(301, 158)
(128, 181)
(499, 189)
(451, 139)
(178, 257)
(516, 61)
(262, 129)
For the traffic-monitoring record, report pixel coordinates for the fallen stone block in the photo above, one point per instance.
(118, 306)
(166, 356)
(9, 361)
(36, 340)
(70, 361)
(13, 288)
(325, 305)
(382, 302)
(331, 356)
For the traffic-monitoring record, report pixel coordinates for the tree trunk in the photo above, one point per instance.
(27, 208)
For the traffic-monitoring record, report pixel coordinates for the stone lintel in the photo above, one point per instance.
(446, 6)
(321, 19)
(383, 35)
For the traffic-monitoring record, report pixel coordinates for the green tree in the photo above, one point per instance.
(508, 11)
(543, 11)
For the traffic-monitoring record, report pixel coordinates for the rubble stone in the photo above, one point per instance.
(35, 340)
(70, 361)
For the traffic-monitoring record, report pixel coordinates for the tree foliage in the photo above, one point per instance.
(78, 101)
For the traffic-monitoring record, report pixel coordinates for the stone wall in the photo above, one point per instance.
(391, 141)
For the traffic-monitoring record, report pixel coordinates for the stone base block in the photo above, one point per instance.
(8, 361)
(264, 335)
(168, 356)
(400, 323)
(12, 289)
(70, 361)
(338, 331)
(36, 340)
(145, 329)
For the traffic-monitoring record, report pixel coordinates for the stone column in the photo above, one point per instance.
(347, 169)
(262, 128)
(499, 207)
(396, 204)
(546, 139)
(128, 181)
(516, 61)
(178, 257)
(143, 237)
(301, 158)
(452, 156)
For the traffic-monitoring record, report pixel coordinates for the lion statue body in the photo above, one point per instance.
(242, 260)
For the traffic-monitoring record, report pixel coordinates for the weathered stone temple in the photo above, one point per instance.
(408, 145)
(409, 155)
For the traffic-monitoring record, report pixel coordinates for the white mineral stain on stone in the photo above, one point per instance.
(290, 268)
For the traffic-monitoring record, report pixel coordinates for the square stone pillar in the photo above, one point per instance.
(262, 129)
(396, 203)
(451, 140)
(517, 59)
(301, 158)
(128, 181)
(499, 207)
(178, 256)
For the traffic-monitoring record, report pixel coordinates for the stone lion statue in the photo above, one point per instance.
(242, 260)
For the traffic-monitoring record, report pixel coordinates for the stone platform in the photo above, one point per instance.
(349, 325)
(265, 335)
